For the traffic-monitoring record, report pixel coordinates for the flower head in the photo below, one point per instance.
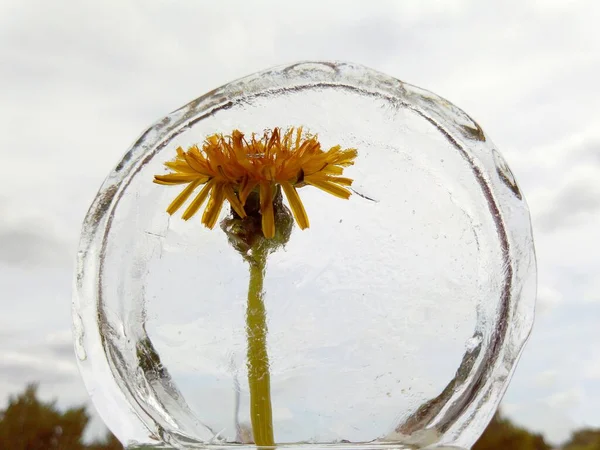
(231, 168)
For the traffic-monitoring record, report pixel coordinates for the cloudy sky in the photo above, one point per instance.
(81, 80)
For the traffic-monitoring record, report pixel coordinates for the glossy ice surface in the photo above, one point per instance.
(395, 319)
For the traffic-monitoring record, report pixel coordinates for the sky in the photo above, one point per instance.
(81, 80)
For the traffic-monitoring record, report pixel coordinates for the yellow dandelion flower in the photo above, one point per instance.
(231, 168)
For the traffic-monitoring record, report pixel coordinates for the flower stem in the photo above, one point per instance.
(259, 378)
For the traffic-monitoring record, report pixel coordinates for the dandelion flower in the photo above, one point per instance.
(231, 168)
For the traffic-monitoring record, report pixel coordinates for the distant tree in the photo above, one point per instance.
(110, 443)
(29, 424)
(502, 434)
(586, 439)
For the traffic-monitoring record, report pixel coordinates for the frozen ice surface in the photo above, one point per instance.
(395, 319)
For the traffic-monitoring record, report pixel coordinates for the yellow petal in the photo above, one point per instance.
(333, 170)
(194, 162)
(247, 187)
(268, 172)
(328, 187)
(175, 178)
(266, 210)
(322, 176)
(273, 142)
(240, 149)
(298, 137)
(180, 166)
(296, 205)
(234, 201)
(183, 196)
(345, 157)
(340, 180)
(198, 201)
(215, 203)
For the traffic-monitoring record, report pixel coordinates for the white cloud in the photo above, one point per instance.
(547, 299)
(575, 201)
(28, 245)
(592, 369)
(554, 423)
(566, 399)
(592, 291)
(547, 378)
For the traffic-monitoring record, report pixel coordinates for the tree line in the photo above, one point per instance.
(27, 423)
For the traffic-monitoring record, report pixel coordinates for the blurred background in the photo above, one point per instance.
(81, 80)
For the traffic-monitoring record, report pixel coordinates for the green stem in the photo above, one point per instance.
(258, 360)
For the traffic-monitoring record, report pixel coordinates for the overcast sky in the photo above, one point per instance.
(81, 80)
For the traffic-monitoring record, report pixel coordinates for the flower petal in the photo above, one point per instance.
(333, 170)
(234, 201)
(247, 187)
(341, 157)
(180, 166)
(340, 180)
(266, 210)
(175, 178)
(198, 201)
(183, 196)
(328, 187)
(215, 203)
(195, 162)
(296, 205)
